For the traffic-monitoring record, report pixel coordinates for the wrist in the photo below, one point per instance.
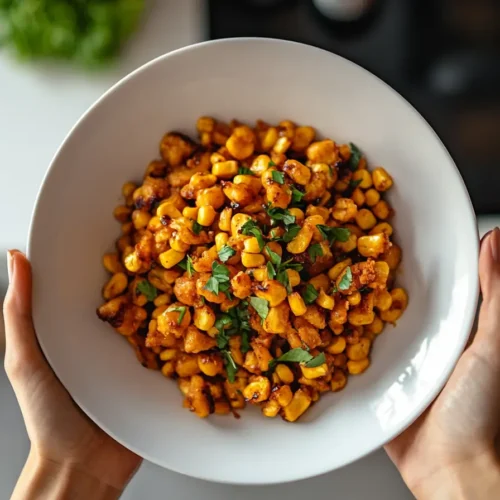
(43, 478)
(477, 477)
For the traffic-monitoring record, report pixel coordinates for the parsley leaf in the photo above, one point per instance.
(245, 341)
(147, 289)
(273, 256)
(299, 355)
(271, 272)
(180, 309)
(197, 228)
(187, 265)
(244, 171)
(250, 228)
(334, 233)
(310, 294)
(231, 367)
(345, 282)
(278, 177)
(261, 306)
(282, 277)
(291, 231)
(355, 184)
(281, 214)
(316, 361)
(314, 251)
(355, 156)
(226, 252)
(297, 195)
(271, 164)
(219, 281)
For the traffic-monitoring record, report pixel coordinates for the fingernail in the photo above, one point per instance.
(10, 265)
(495, 244)
(485, 235)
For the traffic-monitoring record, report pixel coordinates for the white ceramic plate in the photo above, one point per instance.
(248, 79)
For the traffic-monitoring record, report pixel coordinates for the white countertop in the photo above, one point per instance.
(38, 106)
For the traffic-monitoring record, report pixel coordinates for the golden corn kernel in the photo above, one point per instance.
(112, 264)
(281, 145)
(237, 221)
(283, 395)
(190, 213)
(225, 219)
(159, 310)
(293, 277)
(382, 181)
(364, 178)
(168, 369)
(376, 326)
(320, 281)
(171, 258)
(302, 138)
(252, 260)
(168, 354)
(359, 351)
(399, 298)
(358, 197)
(202, 180)
(225, 169)
(324, 300)
(220, 240)
(284, 373)
(382, 210)
(316, 372)
(299, 173)
(204, 318)
(253, 182)
(128, 189)
(122, 213)
(168, 210)
(132, 262)
(337, 345)
(297, 304)
(206, 215)
(260, 274)
(373, 245)
(162, 299)
(372, 197)
(365, 219)
(177, 244)
(298, 214)
(339, 381)
(275, 247)
(241, 143)
(271, 409)
(272, 291)
(210, 364)
(251, 245)
(115, 286)
(354, 299)
(393, 257)
(338, 268)
(258, 390)
(383, 300)
(299, 404)
(357, 367)
(344, 210)
(261, 164)
(383, 227)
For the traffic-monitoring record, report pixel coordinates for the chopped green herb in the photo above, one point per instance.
(226, 252)
(310, 294)
(355, 184)
(271, 272)
(244, 171)
(231, 367)
(297, 195)
(261, 306)
(291, 231)
(315, 251)
(273, 256)
(180, 309)
(345, 282)
(271, 164)
(355, 158)
(282, 277)
(334, 233)
(250, 228)
(147, 289)
(197, 228)
(245, 341)
(278, 177)
(219, 281)
(281, 214)
(187, 265)
(299, 355)
(316, 361)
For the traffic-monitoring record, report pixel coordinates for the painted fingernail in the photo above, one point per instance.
(10, 265)
(495, 244)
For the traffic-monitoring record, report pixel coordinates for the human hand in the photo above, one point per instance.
(70, 456)
(449, 452)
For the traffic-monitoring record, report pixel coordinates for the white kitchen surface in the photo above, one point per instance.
(38, 106)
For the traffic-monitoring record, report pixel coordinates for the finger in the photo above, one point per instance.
(22, 348)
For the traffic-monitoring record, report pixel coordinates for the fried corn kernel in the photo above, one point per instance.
(248, 244)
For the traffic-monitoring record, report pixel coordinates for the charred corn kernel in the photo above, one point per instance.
(205, 124)
(321, 211)
(222, 408)
(251, 245)
(293, 277)
(190, 213)
(349, 245)
(155, 224)
(325, 198)
(178, 245)
(382, 209)
(225, 169)
(382, 181)
(359, 351)
(297, 304)
(258, 390)
(316, 372)
(168, 369)
(392, 315)
(171, 258)
(132, 262)
(237, 221)
(297, 213)
(271, 409)
(338, 268)
(220, 240)
(277, 319)
(344, 210)
(168, 354)
(128, 189)
(159, 310)
(372, 197)
(168, 210)
(282, 145)
(213, 196)
(339, 381)
(365, 219)
(358, 317)
(358, 197)
(260, 274)
(325, 300)
(284, 373)
(210, 364)
(383, 227)
(206, 215)
(364, 178)
(337, 345)
(261, 163)
(127, 228)
(341, 186)
(112, 264)
(393, 257)
(300, 243)
(162, 299)
(252, 259)
(275, 247)
(302, 138)
(354, 299)
(241, 143)
(216, 157)
(357, 367)
(187, 365)
(202, 180)
(399, 298)
(115, 286)
(184, 385)
(373, 245)
(283, 395)
(320, 281)
(299, 173)
(204, 318)
(251, 181)
(122, 213)
(375, 327)
(299, 404)
(383, 300)
(272, 291)
(225, 219)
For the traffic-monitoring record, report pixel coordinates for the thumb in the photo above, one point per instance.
(22, 353)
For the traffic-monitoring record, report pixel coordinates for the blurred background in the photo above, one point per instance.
(58, 56)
